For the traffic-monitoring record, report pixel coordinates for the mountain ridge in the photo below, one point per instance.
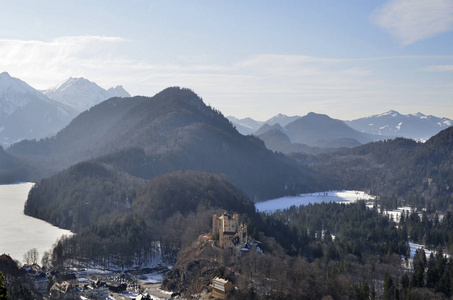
(312, 130)
(171, 131)
(81, 94)
(391, 123)
(25, 113)
(415, 126)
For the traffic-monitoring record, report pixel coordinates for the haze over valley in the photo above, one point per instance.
(227, 150)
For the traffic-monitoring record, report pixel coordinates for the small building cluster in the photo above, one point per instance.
(56, 285)
(221, 288)
(229, 231)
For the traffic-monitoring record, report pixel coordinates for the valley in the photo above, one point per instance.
(138, 179)
(226, 150)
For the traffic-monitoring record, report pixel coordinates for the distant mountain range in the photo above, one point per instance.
(81, 94)
(245, 126)
(391, 124)
(26, 113)
(312, 130)
(145, 137)
(249, 126)
(108, 151)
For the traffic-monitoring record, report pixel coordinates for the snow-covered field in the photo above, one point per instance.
(151, 278)
(395, 214)
(271, 206)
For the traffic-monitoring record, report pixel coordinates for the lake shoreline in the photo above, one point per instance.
(21, 232)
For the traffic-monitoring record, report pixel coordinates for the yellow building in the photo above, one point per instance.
(230, 231)
(221, 288)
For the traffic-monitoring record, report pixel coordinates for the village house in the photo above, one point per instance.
(96, 290)
(32, 269)
(64, 290)
(40, 284)
(221, 288)
(229, 231)
(37, 277)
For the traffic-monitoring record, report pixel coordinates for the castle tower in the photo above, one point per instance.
(230, 232)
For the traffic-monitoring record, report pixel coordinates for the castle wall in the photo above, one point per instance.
(229, 229)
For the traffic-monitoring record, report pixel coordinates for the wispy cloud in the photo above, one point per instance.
(258, 84)
(439, 68)
(413, 20)
(42, 62)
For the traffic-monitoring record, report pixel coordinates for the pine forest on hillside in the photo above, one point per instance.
(138, 180)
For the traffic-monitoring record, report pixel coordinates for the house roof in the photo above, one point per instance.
(220, 280)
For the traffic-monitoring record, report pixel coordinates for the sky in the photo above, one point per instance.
(348, 59)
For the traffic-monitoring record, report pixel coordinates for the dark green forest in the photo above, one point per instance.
(138, 179)
(167, 213)
(144, 137)
(11, 169)
(401, 172)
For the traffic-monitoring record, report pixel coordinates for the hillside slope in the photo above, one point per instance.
(133, 139)
(418, 174)
(322, 131)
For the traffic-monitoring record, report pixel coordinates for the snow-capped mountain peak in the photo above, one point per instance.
(416, 126)
(118, 91)
(81, 94)
(26, 113)
(282, 119)
(390, 113)
(14, 94)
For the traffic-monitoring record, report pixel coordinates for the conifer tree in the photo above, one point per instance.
(3, 291)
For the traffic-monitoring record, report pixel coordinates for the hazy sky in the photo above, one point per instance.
(347, 59)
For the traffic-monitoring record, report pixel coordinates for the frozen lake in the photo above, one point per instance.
(20, 233)
(270, 206)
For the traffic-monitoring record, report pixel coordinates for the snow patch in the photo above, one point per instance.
(395, 214)
(81, 94)
(414, 247)
(151, 278)
(271, 206)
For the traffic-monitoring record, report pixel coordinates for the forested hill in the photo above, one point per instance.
(130, 140)
(11, 170)
(173, 130)
(82, 139)
(418, 174)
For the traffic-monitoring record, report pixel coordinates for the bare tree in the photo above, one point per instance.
(46, 260)
(31, 257)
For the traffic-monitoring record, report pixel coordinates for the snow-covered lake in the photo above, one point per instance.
(20, 233)
(270, 206)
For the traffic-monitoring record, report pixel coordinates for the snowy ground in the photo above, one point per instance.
(414, 248)
(303, 199)
(395, 214)
(151, 278)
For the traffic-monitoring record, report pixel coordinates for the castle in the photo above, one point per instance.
(230, 231)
